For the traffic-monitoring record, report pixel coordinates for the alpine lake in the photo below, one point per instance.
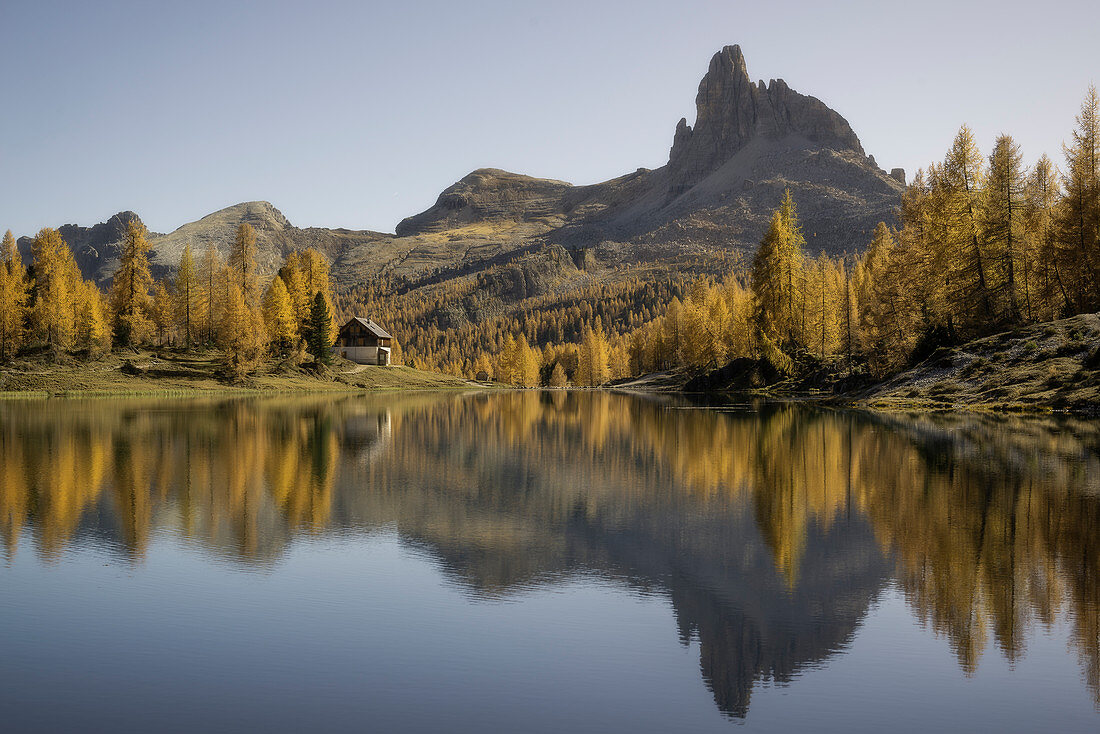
(521, 561)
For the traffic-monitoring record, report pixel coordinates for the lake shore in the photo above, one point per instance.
(1051, 367)
(167, 373)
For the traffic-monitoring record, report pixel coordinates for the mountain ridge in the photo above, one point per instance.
(724, 176)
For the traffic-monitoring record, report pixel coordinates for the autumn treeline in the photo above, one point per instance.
(209, 303)
(983, 244)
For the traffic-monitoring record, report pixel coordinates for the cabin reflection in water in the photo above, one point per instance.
(772, 533)
(366, 435)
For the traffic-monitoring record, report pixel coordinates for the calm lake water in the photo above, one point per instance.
(527, 562)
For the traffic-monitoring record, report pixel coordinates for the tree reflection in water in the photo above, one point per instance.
(771, 530)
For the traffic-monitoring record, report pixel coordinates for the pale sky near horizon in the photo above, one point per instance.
(357, 114)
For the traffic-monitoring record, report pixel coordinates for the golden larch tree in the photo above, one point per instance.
(13, 297)
(129, 296)
(55, 279)
(186, 295)
(242, 261)
(279, 317)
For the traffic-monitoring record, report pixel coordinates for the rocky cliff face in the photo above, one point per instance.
(732, 111)
(95, 249)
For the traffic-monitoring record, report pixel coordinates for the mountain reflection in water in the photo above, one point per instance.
(771, 531)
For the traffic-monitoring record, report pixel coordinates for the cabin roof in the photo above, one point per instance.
(370, 326)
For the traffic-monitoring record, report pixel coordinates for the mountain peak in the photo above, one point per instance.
(731, 111)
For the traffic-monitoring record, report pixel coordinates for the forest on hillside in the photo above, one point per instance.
(982, 244)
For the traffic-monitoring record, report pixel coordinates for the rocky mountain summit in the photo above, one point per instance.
(725, 174)
(723, 178)
(732, 111)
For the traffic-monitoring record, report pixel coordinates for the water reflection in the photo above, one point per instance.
(772, 531)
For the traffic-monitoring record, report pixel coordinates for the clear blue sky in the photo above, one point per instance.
(356, 114)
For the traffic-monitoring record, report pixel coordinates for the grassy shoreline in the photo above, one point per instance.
(165, 374)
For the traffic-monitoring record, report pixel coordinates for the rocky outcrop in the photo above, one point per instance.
(274, 235)
(732, 111)
(489, 194)
(95, 249)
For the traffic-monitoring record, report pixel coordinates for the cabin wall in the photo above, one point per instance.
(364, 355)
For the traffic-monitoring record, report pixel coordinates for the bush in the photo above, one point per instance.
(975, 366)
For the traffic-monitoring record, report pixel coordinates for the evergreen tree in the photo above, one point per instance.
(320, 321)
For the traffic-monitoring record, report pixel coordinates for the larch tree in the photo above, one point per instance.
(1045, 296)
(777, 275)
(186, 292)
(557, 376)
(91, 328)
(506, 361)
(161, 311)
(483, 364)
(883, 310)
(960, 198)
(527, 364)
(592, 361)
(240, 333)
(55, 279)
(1079, 221)
(300, 297)
(13, 297)
(282, 325)
(129, 296)
(1003, 227)
(209, 300)
(242, 261)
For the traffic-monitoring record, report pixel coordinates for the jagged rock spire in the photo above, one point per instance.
(731, 111)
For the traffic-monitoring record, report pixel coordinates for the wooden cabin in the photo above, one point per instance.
(363, 341)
